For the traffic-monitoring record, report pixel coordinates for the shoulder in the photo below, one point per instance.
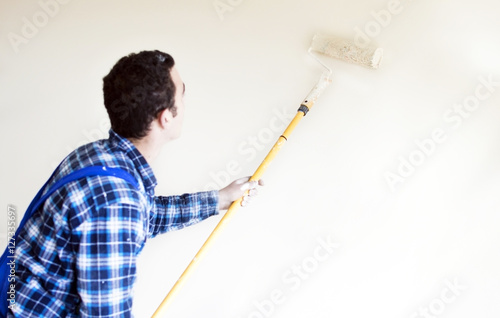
(111, 190)
(91, 193)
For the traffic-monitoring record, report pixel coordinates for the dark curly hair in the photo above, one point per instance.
(136, 90)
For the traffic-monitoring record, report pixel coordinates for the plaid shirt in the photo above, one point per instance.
(77, 255)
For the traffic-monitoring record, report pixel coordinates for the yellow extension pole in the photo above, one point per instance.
(306, 105)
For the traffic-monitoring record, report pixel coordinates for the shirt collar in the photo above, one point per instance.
(140, 163)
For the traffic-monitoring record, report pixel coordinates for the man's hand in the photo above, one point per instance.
(236, 190)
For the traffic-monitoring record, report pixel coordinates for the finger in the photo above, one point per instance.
(254, 184)
(249, 185)
(253, 192)
(244, 201)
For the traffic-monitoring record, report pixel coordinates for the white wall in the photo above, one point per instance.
(398, 248)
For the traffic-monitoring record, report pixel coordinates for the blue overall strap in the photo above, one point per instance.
(75, 175)
(37, 201)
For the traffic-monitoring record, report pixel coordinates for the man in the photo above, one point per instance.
(77, 254)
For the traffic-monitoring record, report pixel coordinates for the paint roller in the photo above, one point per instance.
(339, 48)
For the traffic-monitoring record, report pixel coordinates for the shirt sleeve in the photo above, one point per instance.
(175, 212)
(106, 263)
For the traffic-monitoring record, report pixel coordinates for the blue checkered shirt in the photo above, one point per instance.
(77, 255)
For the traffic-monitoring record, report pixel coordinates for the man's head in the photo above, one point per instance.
(142, 88)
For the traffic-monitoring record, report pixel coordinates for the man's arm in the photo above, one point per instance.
(175, 212)
(106, 262)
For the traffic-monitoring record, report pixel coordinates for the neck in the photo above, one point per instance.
(148, 147)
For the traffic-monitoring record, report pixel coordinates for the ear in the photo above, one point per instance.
(164, 118)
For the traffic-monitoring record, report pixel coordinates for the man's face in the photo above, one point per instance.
(176, 124)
